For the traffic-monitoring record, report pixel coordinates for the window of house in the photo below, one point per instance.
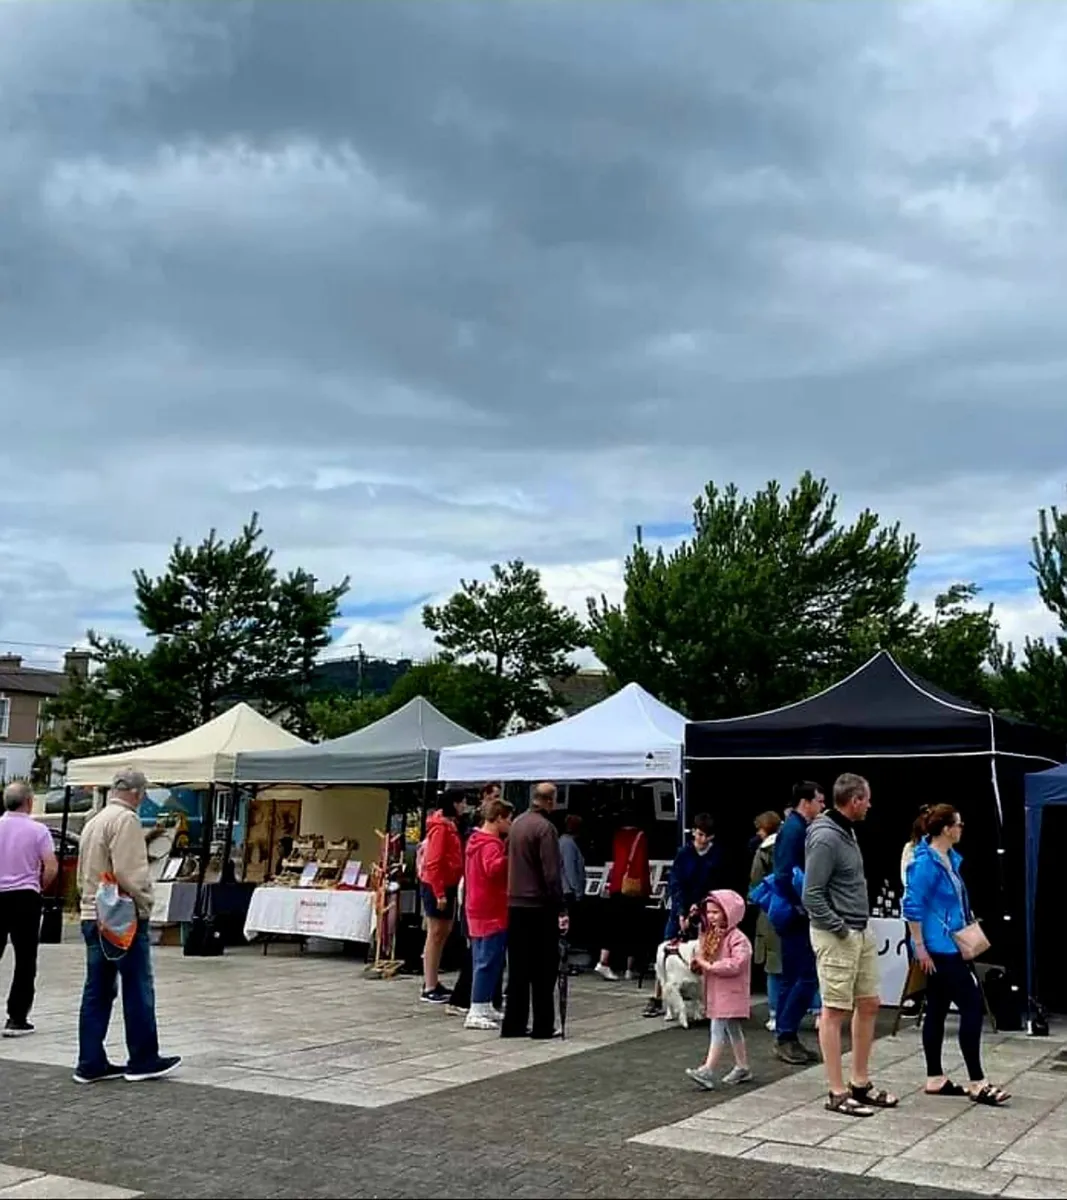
(44, 724)
(5, 716)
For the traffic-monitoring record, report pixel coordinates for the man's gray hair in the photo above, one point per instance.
(849, 787)
(16, 794)
(129, 779)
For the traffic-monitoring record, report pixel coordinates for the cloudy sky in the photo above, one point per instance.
(435, 285)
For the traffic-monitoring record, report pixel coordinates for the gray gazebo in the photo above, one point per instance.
(403, 747)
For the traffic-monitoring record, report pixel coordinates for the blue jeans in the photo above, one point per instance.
(102, 975)
(774, 991)
(488, 954)
(799, 982)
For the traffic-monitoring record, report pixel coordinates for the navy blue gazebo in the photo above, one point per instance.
(1044, 789)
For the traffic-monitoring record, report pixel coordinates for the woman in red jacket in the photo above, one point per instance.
(440, 870)
(486, 901)
(628, 889)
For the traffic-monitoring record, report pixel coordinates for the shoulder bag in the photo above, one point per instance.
(632, 885)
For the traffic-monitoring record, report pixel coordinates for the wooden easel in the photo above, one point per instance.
(386, 870)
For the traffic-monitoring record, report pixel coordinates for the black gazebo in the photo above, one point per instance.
(916, 744)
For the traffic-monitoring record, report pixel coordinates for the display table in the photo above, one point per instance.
(891, 937)
(173, 903)
(310, 912)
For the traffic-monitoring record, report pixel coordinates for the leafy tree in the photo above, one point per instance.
(463, 693)
(507, 629)
(224, 627)
(333, 716)
(771, 596)
(959, 647)
(1035, 685)
(466, 694)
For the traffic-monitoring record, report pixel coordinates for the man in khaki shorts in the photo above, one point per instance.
(835, 897)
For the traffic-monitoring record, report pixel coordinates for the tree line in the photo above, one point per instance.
(770, 598)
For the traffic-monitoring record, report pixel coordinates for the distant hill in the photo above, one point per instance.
(372, 676)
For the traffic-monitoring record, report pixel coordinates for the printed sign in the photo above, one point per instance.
(311, 914)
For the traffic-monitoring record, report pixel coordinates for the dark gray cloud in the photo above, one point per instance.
(433, 284)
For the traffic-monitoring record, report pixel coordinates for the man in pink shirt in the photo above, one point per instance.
(27, 865)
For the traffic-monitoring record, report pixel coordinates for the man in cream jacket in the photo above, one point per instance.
(113, 843)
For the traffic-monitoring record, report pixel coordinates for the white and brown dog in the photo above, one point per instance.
(681, 988)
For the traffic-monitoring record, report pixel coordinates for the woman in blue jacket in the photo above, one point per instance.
(936, 907)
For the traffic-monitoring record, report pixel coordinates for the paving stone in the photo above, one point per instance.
(10, 1175)
(674, 1138)
(818, 1158)
(857, 1138)
(1028, 1187)
(936, 1174)
(798, 1129)
(955, 1150)
(56, 1187)
(710, 1125)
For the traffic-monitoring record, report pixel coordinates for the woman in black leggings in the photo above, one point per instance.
(936, 907)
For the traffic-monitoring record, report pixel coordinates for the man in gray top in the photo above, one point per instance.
(835, 897)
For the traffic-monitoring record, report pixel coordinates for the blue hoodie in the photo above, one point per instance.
(693, 876)
(933, 898)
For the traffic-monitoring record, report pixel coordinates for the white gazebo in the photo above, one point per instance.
(630, 735)
(205, 755)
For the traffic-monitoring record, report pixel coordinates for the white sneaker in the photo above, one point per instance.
(479, 1021)
(497, 1015)
(630, 976)
(736, 1076)
(605, 972)
(771, 1026)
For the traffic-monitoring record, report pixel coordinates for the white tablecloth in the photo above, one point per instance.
(311, 912)
(890, 933)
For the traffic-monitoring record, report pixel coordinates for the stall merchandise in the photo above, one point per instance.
(630, 735)
(916, 744)
(402, 747)
(320, 891)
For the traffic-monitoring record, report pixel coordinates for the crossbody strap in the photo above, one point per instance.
(633, 852)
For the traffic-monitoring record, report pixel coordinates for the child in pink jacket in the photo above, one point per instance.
(724, 956)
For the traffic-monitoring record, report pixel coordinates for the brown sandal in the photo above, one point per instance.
(872, 1096)
(847, 1106)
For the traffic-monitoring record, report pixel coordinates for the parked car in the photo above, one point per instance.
(66, 883)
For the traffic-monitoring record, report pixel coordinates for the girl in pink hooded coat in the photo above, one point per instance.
(724, 956)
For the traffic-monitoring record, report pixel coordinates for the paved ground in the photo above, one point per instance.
(560, 1125)
(1020, 1150)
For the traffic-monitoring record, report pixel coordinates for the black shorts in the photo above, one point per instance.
(435, 911)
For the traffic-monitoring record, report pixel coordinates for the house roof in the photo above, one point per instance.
(32, 681)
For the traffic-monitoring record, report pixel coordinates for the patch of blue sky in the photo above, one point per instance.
(666, 531)
(382, 610)
(995, 571)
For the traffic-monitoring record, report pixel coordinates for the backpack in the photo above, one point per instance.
(116, 917)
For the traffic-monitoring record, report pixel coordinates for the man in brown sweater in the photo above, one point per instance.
(535, 903)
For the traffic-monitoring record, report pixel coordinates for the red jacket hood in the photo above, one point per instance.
(479, 837)
(438, 818)
(731, 904)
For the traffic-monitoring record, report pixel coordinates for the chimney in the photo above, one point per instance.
(76, 662)
(10, 662)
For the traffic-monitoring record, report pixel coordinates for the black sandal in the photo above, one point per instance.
(990, 1096)
(872, 1096)
(847, 1106)
(948, 1088)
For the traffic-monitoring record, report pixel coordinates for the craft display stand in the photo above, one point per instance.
(385, 882)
